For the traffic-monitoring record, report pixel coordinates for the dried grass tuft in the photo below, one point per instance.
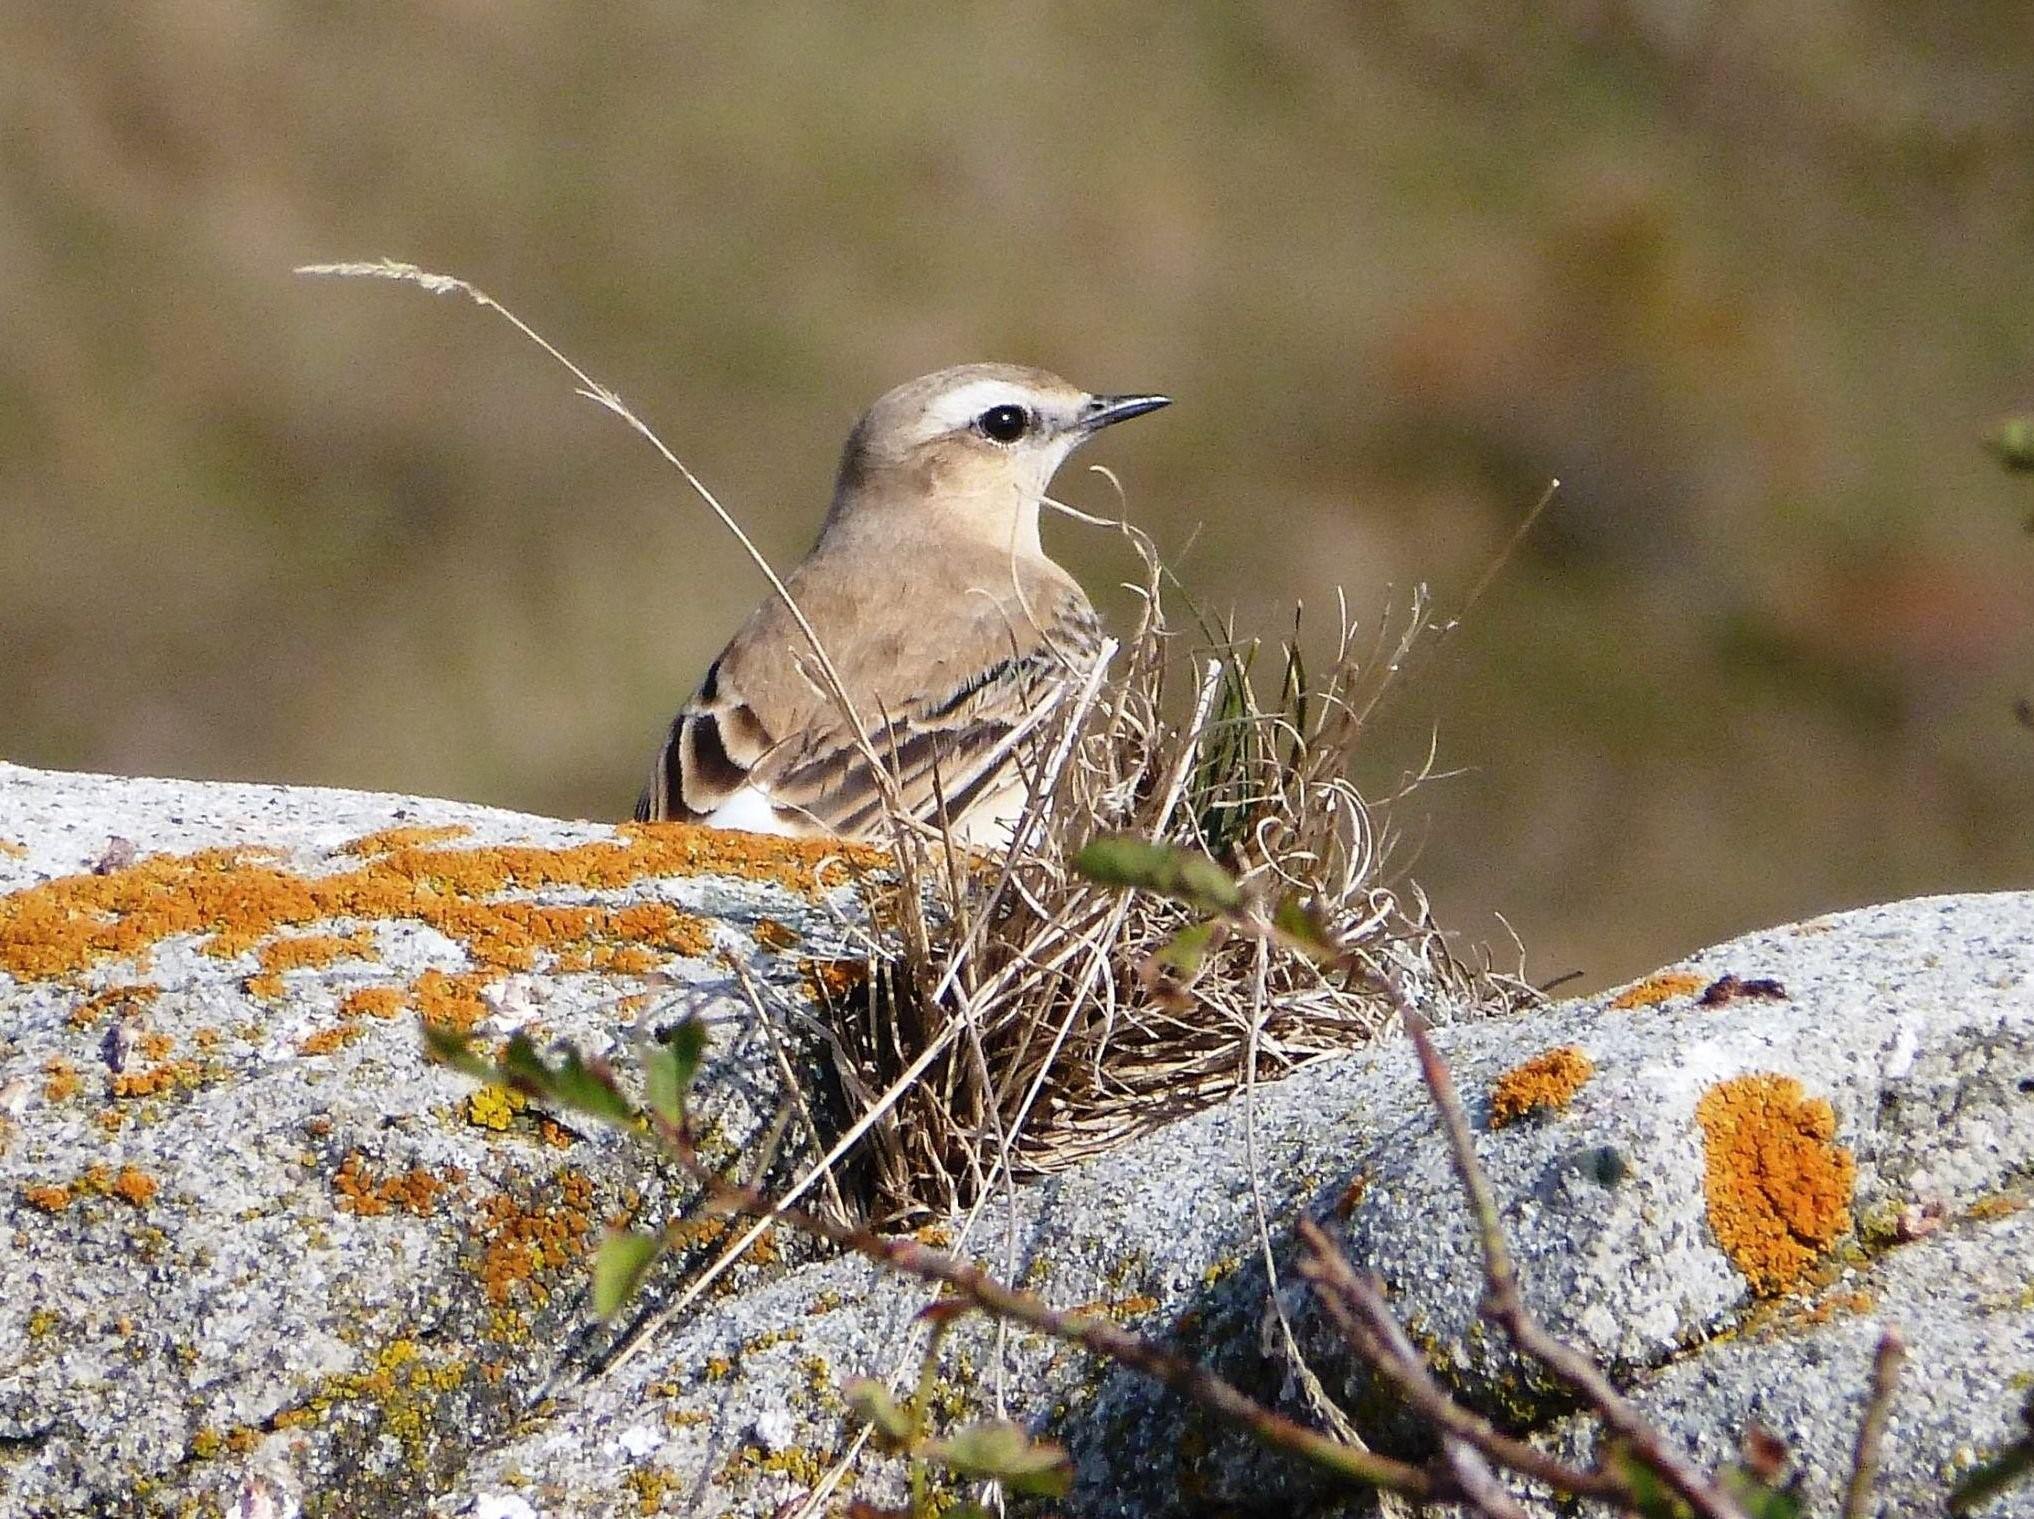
(1062, 1026)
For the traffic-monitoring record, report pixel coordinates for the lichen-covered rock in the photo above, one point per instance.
(248, 1230)
(254, 1245)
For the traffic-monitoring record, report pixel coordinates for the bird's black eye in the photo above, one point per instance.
(1004, 424)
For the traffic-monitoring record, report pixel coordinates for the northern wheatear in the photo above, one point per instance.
(950, 630)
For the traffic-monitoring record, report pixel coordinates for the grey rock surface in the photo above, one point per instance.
(1725, 1240)
(247, 1233)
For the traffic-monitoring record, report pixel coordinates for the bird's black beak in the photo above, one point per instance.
(1103, 411)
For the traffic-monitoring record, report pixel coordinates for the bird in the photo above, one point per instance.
(952, 634)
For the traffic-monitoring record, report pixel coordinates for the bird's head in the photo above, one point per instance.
(977, 444)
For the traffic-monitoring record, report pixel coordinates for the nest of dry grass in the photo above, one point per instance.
(1019, 1017)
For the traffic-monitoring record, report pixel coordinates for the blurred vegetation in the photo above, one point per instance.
(1752, 281)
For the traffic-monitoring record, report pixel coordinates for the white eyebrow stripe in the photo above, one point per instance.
(960, 406)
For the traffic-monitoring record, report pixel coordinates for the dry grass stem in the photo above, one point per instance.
(1081, 1029)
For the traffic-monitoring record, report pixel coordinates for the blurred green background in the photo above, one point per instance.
(1751, 280)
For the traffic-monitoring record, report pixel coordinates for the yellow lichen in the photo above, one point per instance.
(1652, 991)
(652, 1485)
(403, 1385)
(494, 1107)
(1778, 1187)
(1546, 1083)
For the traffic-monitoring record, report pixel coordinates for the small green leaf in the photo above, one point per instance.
(871, 1401)
(1168, 869)
(1301, 925)
(670, 1067)
(1005, 1451)
(1650, 1497)
(589, 1086)
(618, 1269)
(453, 1047)
(1759, 1500)
(1187, 951)
(523, 1068)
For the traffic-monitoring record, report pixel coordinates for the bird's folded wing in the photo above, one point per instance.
(947, 740)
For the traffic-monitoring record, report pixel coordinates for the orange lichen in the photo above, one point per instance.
(771, 934)
(1547, 1083)
(367, 1196)
(134, 1185)
(371, 1002)
(1852, 1303)
(63, 1079)
(239, 897)
(305, 952)
(692, 1233)
(1778, 1187)
(452, 1001)
(128, 999)
(406, 836)
(326, 1040)
(555, 1134)
(523, 1244)
(1118, 1309)
(155, 1045)
(48, 1198)
(157, 1079)
(834, 981)
(1654, 990)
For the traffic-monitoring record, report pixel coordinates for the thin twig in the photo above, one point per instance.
(1871, 1429)
(1358, 1307)
(1504, 1306)
(1096, 1335)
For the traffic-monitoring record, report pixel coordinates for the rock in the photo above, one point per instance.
(259, 1253)
(247, 1225)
